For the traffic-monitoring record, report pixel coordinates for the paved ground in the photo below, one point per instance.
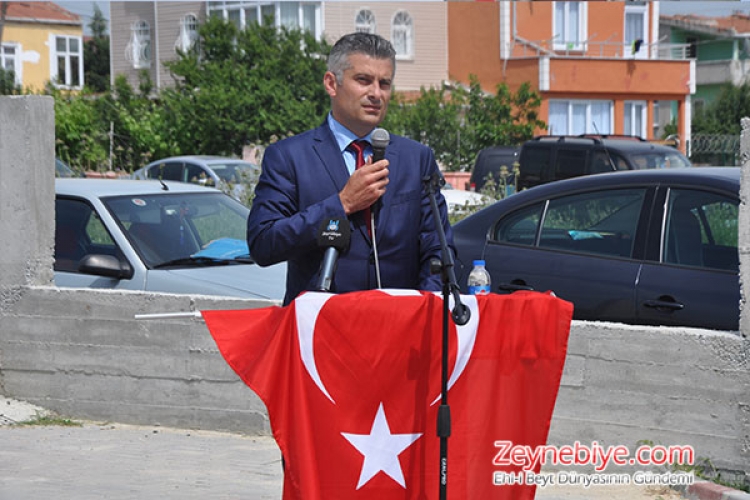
(121, 462)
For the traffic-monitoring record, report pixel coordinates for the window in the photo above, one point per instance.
(580, 117)
(188, 36)
(79, 232)
(636, 38)
(402, 35)
(234, 16)
(138, 50)
(570, 163)
(10, 60)
(293, 15)
(635, 118)
(569, 25)
(67, 62)
(170, 171)
(692, 51)
(520, 227)
(701, 230)
(289, 14)
(602, 222)
(365, 22)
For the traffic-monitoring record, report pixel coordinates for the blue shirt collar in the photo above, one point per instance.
(343, 135)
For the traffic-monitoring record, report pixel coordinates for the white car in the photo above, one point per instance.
(231, 175)
(156, 236)
(459, 201)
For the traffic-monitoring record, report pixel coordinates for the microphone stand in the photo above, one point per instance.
(460, 315)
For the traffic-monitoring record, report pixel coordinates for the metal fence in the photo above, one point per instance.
(714, 149)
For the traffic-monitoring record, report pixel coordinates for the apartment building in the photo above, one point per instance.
(600, 67)
(720, 47)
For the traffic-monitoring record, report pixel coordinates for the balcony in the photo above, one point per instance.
(733, 71)
(521, 48)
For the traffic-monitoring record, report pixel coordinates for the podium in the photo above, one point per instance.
(352, 385)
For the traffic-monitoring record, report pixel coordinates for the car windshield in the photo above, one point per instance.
(180, 229)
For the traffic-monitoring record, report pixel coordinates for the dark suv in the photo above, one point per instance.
(549, 158)
(489, 162)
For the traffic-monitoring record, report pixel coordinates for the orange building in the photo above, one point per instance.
(599, 66)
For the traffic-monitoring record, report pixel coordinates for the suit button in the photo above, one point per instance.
(372, 258)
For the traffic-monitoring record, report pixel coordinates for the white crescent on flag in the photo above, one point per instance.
(309, 305)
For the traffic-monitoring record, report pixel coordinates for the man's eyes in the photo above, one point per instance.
(368, 81)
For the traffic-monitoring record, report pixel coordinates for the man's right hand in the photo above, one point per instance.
(365, 186)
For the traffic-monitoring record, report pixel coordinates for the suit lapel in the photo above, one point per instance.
(330, 156)
(327, 150)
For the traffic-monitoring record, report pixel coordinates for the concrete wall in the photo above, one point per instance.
(81, 353)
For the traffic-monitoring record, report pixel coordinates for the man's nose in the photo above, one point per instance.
(377, 92)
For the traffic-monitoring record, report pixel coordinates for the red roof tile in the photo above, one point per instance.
(736, 23)
(40, 11)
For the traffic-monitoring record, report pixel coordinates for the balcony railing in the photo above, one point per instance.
(521, 48)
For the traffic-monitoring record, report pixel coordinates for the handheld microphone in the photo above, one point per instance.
(379, 140)
(334, 235)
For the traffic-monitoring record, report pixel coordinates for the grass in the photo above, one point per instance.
(49, 420)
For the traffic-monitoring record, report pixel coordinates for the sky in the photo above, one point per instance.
(703, 8)
(85, 9)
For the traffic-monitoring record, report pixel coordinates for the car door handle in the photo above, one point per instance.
(513, 287)
(665, 304)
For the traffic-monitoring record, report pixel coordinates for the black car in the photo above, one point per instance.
(646, 247)
(549, 158)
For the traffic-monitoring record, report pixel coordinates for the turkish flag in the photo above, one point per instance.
(352, 384)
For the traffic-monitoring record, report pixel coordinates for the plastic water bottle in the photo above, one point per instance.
(479, 279)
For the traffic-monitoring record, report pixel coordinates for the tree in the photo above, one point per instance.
(504, 118)
(433, 119)
(460, 124)
(3, 12)
(7, 78)
(724, 114)
(79, 137)
(8, 83)
(96, 54)
(244, 86)
(237, 88)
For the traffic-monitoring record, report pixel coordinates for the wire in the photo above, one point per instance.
(375, 248)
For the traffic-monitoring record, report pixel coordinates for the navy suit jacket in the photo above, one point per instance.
(299, 188)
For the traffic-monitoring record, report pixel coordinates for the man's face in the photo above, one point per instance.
(360, 101)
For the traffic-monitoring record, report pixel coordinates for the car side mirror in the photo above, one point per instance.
(105, 265)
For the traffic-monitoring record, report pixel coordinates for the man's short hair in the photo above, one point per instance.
(358, 43)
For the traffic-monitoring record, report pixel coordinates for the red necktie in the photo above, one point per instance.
(358, 148)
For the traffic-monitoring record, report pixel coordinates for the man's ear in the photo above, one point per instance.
(330, 83)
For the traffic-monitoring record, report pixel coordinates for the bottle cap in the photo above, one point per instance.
(478, 262)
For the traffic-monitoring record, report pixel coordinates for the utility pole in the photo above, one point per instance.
(3, 11)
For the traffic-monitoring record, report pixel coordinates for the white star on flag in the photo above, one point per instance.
(381, 450)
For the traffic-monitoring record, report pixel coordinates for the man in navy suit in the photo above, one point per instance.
(311, 178)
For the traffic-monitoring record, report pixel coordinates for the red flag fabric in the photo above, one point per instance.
(352, 385)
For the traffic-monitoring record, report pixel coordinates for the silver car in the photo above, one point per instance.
(231, 175)
(156, 236)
